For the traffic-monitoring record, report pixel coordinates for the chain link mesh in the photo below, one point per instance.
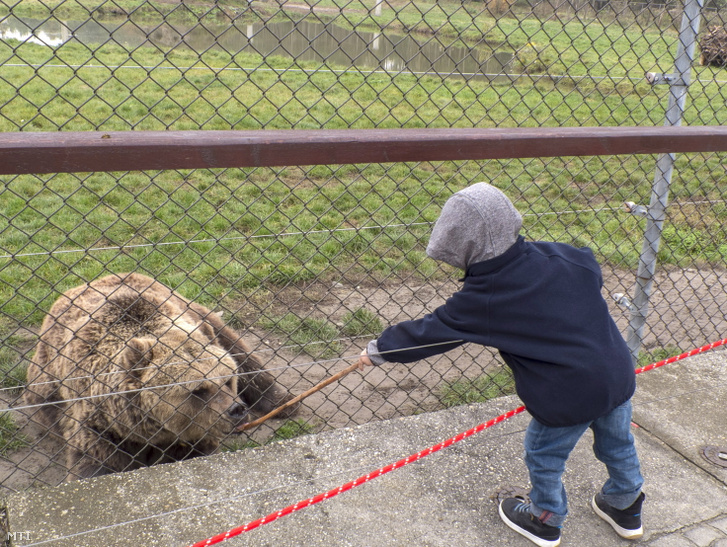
(306, 264)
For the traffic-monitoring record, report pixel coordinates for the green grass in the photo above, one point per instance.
(479, 390)
(13, 372)
(290, 429)
(648, 357)
(233, 445)
(10, 438)
(233, 217)
(361, 322)
(317, 337)
(186, 90)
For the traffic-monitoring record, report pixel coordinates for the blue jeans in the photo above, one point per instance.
(548, 448)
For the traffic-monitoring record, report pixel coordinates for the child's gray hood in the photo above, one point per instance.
(476, 224)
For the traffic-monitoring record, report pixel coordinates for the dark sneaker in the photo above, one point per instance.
(516, 514)
(626, 522)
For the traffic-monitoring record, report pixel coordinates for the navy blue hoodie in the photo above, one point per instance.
(540, 305)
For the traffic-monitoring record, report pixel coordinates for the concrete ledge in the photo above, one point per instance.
(445, 499)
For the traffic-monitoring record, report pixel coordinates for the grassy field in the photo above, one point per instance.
(231, 218)
(174, 88)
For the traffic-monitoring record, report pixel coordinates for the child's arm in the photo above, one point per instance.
(417, 339)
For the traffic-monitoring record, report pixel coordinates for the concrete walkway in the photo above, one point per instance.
(446, 499)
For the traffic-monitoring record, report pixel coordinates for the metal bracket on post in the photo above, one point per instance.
(622, 300)
(634, 209)
(655, 78)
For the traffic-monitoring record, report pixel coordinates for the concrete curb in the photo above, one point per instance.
(444, 500)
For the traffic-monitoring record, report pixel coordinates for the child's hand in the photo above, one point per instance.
(363, 360)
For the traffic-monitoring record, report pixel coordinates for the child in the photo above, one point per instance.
(540, 305)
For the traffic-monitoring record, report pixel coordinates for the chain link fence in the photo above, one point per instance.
(294, 269)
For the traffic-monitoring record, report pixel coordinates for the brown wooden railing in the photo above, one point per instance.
(66, 152)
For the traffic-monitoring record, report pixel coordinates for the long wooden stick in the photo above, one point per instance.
(299, 398)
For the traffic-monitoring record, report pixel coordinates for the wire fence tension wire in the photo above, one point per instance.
(415, 457)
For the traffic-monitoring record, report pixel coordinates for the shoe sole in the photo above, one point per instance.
(540, 542)
(623, 532)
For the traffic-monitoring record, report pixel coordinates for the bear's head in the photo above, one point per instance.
(187, 388)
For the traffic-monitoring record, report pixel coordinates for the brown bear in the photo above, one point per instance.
(130, 374)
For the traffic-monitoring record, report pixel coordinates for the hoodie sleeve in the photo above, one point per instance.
(410, 341)
(372, 349)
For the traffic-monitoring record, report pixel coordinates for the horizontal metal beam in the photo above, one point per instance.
(68, 152)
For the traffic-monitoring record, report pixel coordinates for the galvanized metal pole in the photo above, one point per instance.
(678, 86)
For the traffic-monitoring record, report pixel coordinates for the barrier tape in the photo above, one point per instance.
(684, 355)
(361, 480)
(413, 458)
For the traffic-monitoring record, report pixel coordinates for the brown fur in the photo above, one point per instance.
(108, 356)
(713, 47)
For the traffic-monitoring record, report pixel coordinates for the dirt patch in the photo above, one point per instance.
(39, 462)
(688, 309)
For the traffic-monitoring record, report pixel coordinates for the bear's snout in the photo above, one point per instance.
(238, 412)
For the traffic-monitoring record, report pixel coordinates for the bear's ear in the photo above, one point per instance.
(137, 353)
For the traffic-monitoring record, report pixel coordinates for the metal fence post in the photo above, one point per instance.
(678, 85)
